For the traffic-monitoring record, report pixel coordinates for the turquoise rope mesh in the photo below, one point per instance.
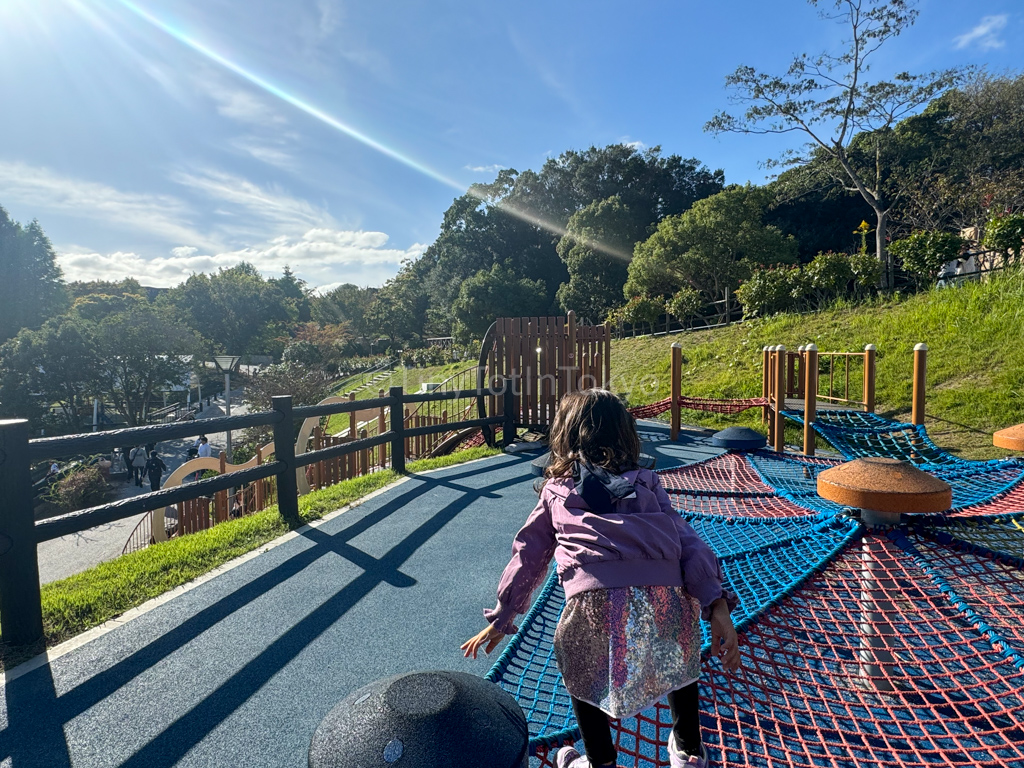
(784, 552)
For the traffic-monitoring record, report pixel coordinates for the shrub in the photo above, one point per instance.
(80, 488)
(641, 309)
(772, 290)
(1006, 234)
(867, 271)
(828, 277)
(924, 253)
(686, 303)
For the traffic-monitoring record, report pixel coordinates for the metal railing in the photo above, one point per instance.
(21, 619)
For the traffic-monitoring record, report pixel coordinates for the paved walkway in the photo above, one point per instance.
(239, 670)
(76, 552)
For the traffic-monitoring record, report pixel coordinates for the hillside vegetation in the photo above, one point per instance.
(975, 336)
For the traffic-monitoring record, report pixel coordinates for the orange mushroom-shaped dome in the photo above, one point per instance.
(1011, 438)
(884, 485)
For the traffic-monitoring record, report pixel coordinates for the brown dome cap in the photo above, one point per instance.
(1011, 438)
(885, 485)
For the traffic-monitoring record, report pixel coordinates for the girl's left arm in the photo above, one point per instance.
(532, 550)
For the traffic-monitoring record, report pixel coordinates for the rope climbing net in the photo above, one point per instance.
(819, 594)
(714, 405)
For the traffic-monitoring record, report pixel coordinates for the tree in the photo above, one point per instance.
(235, 308)
(1006, 234)
(142, 351)
(596, 277)
(518, 219)
(347, 303)
(709, 248)
(31, 288)
(848, 121)
(494, 293)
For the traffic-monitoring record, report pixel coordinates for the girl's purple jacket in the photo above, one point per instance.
(644, 542)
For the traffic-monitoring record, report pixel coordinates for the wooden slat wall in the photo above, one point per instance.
(572, 356)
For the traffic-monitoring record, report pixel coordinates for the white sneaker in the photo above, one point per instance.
(569, 757)
(677, 758)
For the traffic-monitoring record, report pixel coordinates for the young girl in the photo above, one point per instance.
(637, 579)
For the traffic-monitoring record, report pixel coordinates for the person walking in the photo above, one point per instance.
(205, 449)
(637, 579)
(139, 458)
(155, 468)
(126, 457)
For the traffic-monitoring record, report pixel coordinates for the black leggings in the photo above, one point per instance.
(597, 733)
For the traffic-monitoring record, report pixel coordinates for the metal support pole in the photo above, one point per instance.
(869, 378)
(676, 388)
(920, 374)
(780, 398)
(397, 430)
(284, 451)
(227, 408)
(21, 614)
(810, 396)
(876, 608)
(508, 429)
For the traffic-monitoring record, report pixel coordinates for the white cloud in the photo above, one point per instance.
(488, 169)
(41, 189)
(237, 104)
(985, 35)
(639, 146)
(321, 256)
(262, 210)
(270, 152)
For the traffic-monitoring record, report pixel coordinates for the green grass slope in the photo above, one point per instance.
(974, 333)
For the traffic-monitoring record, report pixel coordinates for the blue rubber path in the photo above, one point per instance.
(240, 670)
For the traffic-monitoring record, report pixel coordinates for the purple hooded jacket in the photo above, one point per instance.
(644, 542)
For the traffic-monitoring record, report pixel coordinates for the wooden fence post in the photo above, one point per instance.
(284, 451)
(810, 388)
(781, 370)
(765, 368)
(21, 613)
(869, 378)
(920, 374)
(397, 430)
(770, 359)
(676, 388)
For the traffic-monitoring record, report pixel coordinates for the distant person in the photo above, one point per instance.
(126, 457)
(205, 449)
(155, 468)
(139, 458)
(51, 473)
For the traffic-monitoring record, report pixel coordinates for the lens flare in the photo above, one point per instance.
(319, 114)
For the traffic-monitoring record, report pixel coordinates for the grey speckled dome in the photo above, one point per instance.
(423, 720)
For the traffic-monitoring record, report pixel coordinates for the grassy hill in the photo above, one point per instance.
(974, 333)
(975, 336)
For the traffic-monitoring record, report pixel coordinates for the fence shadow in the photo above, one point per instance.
(37, 715)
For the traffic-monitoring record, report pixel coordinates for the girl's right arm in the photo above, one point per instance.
(532, 550)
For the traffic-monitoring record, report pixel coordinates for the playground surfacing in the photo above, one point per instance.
(240, 669)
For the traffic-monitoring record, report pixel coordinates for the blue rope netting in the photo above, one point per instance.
(778, 544)
(762, 564)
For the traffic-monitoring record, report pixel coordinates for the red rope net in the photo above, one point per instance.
(873, 661)
(728, 473)
(715, 405)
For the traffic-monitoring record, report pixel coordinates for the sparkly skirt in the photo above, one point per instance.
(623, 649)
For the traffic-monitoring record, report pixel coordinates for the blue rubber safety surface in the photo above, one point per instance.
(240, 670)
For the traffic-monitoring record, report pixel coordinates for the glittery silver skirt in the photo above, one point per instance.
(623, 649)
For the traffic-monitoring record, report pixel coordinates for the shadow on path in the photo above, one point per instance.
(37, 715)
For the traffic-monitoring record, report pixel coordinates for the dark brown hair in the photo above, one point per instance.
(594, 426)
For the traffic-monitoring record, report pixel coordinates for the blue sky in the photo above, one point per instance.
(156, 138)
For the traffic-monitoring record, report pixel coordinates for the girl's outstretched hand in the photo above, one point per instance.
(488, 639)
(724, 642)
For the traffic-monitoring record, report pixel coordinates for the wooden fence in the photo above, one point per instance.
(21, 618)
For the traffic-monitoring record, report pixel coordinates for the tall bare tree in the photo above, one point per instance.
(827, 97)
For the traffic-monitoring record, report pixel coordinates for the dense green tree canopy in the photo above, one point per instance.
(31, 288)
(495, 293)
(710, 247)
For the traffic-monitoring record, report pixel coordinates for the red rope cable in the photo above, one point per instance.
(714, 405)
